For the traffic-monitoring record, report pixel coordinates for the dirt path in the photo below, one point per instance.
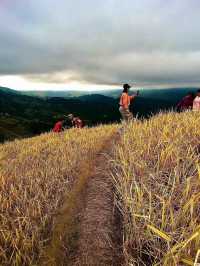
(97, 244)
(87, 232)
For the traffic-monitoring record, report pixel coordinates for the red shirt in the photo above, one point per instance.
(58, 127)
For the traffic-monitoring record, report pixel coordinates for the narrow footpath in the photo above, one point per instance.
(88, 228)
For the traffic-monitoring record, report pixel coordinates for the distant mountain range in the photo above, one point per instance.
(71, 93)
(28, 113)
(170, 94)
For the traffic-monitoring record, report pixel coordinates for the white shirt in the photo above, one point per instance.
(196, 104)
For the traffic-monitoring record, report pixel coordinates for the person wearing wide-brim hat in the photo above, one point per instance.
(125, 101)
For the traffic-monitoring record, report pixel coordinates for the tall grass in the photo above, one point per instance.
(35, 174)
(157, 176)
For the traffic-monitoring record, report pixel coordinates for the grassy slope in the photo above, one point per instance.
(43, 170)
(156, 172)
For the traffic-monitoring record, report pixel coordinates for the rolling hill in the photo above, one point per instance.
(22, 115)
(168, 94)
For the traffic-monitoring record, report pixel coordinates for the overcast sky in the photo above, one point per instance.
(85, 44)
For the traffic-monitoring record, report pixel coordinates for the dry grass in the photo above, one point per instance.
(157, 176)
(35, 173)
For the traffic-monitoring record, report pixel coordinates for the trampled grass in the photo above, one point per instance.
(156, 172)
(35, 173)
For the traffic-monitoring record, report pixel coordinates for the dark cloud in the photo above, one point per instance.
(101, 42)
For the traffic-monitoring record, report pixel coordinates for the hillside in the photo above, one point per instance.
(22, 116)
(156, 169)
(139, 184)
(168, 94)
(44, 171)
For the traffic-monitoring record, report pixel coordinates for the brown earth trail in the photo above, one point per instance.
(88, 228)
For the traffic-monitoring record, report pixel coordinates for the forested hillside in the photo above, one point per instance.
(22, 115)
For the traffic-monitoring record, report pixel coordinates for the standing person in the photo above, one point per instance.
(186, 103)
(58, 126)
(196, 102)
(125, 101)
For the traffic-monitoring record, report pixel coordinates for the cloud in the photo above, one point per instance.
(101, 42)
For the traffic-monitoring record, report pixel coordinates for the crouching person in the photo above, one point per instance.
(76, 121)
(58, 127)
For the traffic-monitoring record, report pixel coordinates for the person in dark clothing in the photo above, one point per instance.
(186, 103)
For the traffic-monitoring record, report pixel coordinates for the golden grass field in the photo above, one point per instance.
(35, 174)
(156, 172)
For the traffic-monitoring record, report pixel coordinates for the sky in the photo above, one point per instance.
(99, 44)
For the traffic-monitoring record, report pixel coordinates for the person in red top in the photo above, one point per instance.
(125, 101)
(58, 126)
(186, 103)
